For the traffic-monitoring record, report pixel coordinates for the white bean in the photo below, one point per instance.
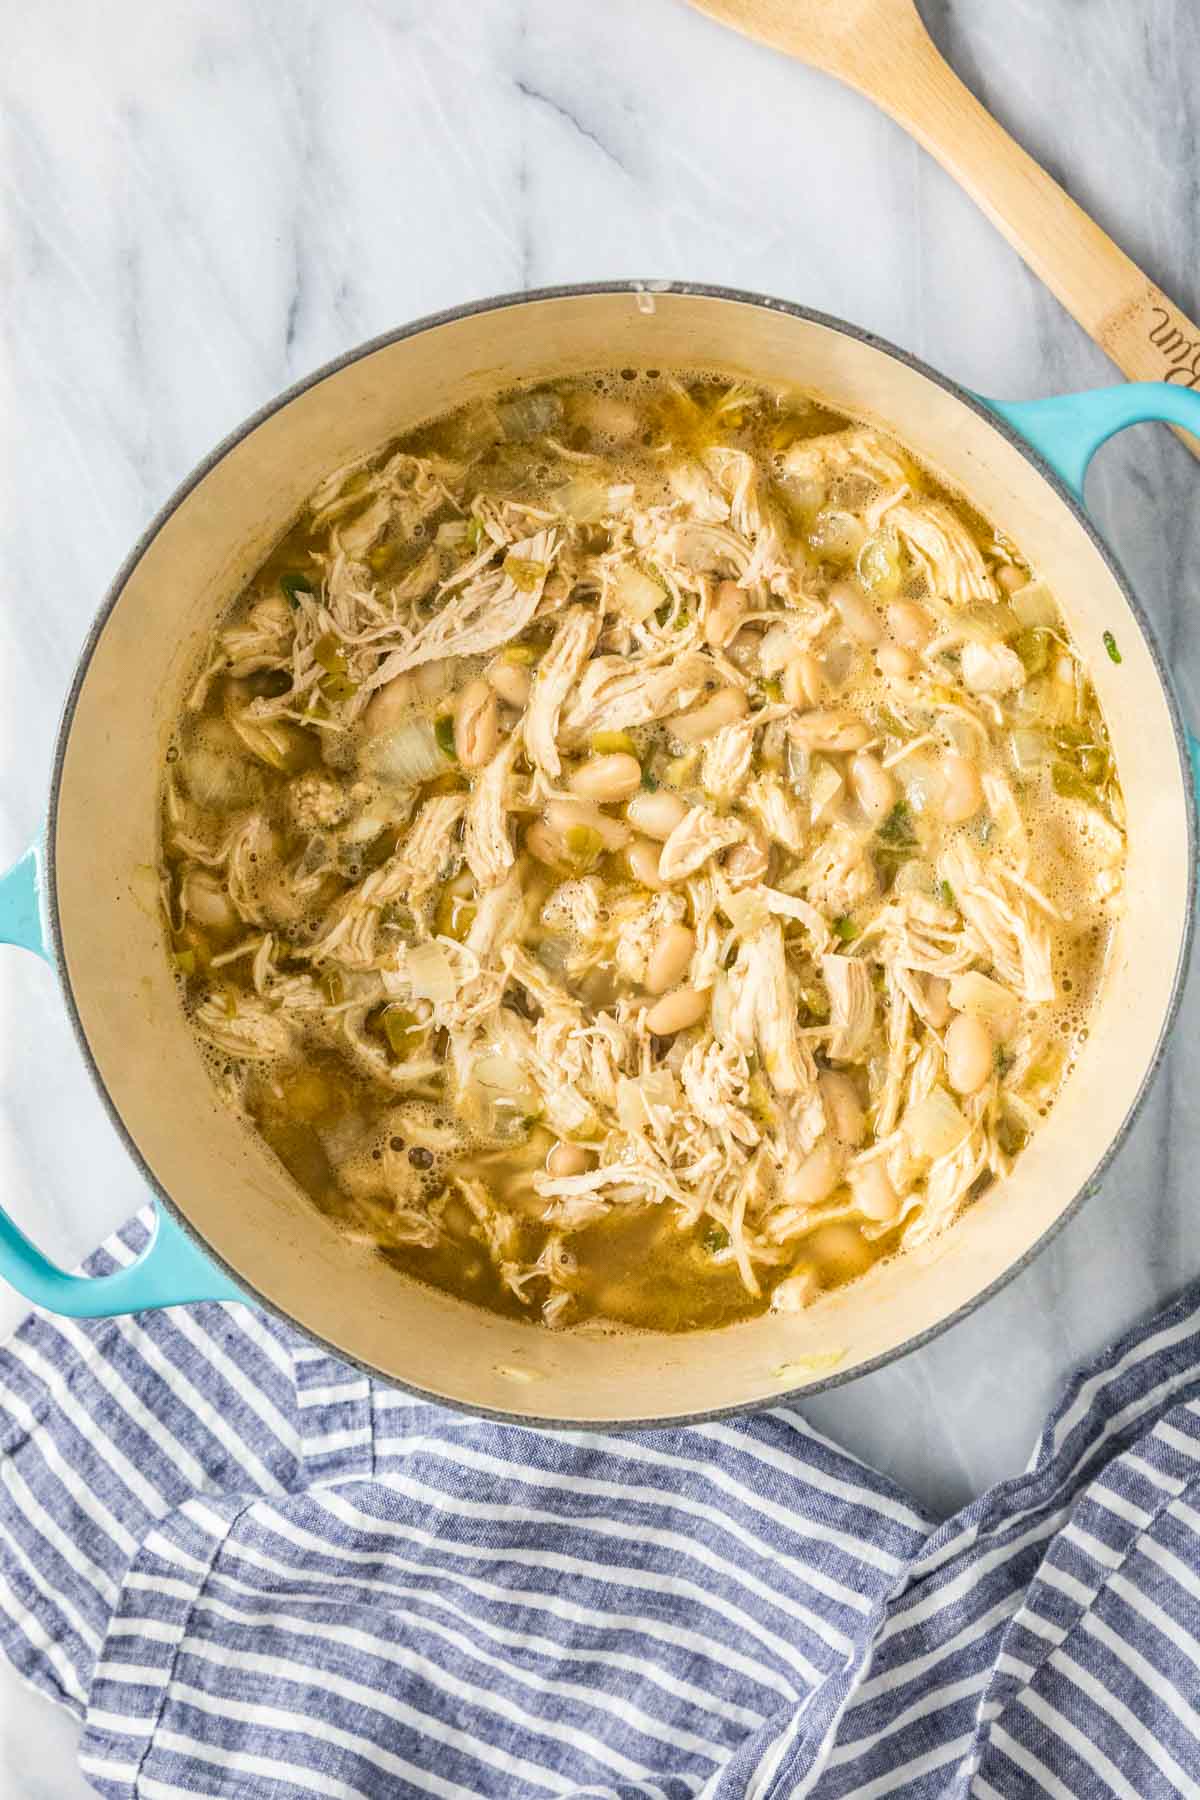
(1010, 577)
(724, 707)
(962, 790)
(476, 725)
(725, 614)
(895, 662)
(511, 682)
(843, 1108)
(857, 614)
(816, 1177)
(874, 788)
(567, 1159)
(874, 1194)
(676, 1011)
(803, 682)
(670, 959)
(969, 1053)
(657, 814)
(642, 857)
(909, 624)
(607, 778)
(834, 731)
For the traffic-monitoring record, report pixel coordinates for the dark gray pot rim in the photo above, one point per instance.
(495, 304)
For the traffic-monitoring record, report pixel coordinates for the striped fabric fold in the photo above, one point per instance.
(251, 1571)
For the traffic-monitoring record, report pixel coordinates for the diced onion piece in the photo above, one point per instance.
(638, 1094)
(429, 973)
(747, 912)
(217, 780)
(825, 786)
(634, 594)
(986, 1000)
(585, 500)
(914, 877)
(504, 1094)
(1031, 748)
(1044, 1069)
(720, 1009)
(1033, 604)
(880, 567)
(503, 1074)
(1050, 699)
(979, 621)
(934, 1125)
(837, 536)
(529, 414)
(837, 664)
(272, 740)
(990, 667)
(408, 755)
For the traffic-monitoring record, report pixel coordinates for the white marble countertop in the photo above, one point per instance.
(199, 204)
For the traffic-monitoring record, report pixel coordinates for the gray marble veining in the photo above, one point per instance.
(201, 203)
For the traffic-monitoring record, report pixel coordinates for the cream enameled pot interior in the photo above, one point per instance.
(224, 1181)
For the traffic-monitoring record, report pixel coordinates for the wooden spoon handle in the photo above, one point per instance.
(1143, 331)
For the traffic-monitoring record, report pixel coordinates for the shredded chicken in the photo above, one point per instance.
(1008, 927)
(943, 547)
(612, 696)
(246, 1028)
(486, 842)
(726, 761)
(764, 1014)
(487, 612)
(852, 1002)
(556, 676)
(697, 837)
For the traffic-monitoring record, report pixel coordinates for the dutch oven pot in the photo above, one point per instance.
(230, 1222)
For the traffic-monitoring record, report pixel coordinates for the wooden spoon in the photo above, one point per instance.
(881, 48)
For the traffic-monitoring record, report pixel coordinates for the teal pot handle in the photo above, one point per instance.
(1067, 430)
(172, 1269)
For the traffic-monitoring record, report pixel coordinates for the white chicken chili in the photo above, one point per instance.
(641, 851)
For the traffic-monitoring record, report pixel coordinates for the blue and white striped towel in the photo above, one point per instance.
(254, 1573)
